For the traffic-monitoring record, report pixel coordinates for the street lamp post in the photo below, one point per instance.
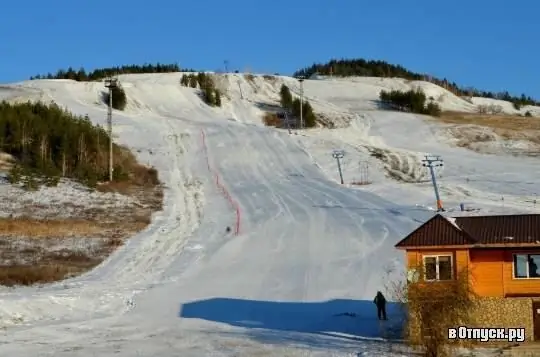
(339, 154)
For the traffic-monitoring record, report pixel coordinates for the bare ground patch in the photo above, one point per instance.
(400, 166)
(487, 133)
(59, 232)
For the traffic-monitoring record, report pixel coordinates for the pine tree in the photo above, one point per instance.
(217, 98)
(286, 97)
(208, 96)
(193, 81)
(119, 98)
(295, 108)
(308, 115)
(50, 142)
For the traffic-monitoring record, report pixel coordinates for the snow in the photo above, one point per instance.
(453, 221)
(300, 277)
(61, 200)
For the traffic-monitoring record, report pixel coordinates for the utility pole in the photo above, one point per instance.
(226, 63)
(301, 80)
(339, 154)
(432, 161)
(110, 83)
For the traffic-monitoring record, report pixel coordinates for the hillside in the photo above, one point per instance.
(308, 250)
(373, 68)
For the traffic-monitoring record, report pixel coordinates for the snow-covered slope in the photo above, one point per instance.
(309, 249)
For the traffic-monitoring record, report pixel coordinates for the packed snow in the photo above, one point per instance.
(300, 277)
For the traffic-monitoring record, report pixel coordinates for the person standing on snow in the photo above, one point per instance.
(380, 302)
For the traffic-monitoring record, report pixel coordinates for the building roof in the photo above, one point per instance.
(476, 231)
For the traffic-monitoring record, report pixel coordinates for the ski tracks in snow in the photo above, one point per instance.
(111, 288)
(307, 245)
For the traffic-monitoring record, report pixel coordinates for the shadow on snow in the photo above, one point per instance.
(342, 318)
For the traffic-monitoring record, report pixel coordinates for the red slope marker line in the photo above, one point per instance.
(221, 187)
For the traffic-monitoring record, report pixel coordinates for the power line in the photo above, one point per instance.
(432, 161)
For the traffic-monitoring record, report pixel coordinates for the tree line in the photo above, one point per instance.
(101, 73)
(49, 142)
(413, 101)
(209, 93)
(377, 68)
(293, 107)
(119, 97)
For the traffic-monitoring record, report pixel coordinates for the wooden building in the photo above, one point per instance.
(501, 255)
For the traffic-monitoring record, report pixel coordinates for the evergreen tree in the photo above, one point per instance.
(286, 97)
(184, 80)
(48, 141)
(293, 106)
(119, 98)
(217, 98)
(412, 101)
(101, 73)
(208, 96)
(192, 81)
(308, 115)
(296, 107)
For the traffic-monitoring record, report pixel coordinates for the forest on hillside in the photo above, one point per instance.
(48, 141)
(377, 68)
(101, 73)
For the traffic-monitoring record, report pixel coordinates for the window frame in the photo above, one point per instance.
(527, 265)
(437, 274)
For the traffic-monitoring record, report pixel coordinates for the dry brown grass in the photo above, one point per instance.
(497, 122)
(25, 263)
(508, 127)
(249, 77)
(34, 251)
(269, 77)
(140, 176)
(271, 119)
(361, 183)
(53, 266)
(37, 274)
(123, 187)
(34, 228)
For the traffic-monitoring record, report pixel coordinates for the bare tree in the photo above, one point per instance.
(495, 109)
(431, 308)
(482, 109)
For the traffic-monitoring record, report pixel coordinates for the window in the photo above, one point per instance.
(526, 266)
(438, 267)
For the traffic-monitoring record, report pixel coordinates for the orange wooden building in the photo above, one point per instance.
(502, 254)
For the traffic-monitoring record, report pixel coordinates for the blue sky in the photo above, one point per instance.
(489, 44)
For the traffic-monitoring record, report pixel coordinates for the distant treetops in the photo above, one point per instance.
(365, 68)
(98, 74)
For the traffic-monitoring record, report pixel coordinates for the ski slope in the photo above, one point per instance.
(308, 251)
